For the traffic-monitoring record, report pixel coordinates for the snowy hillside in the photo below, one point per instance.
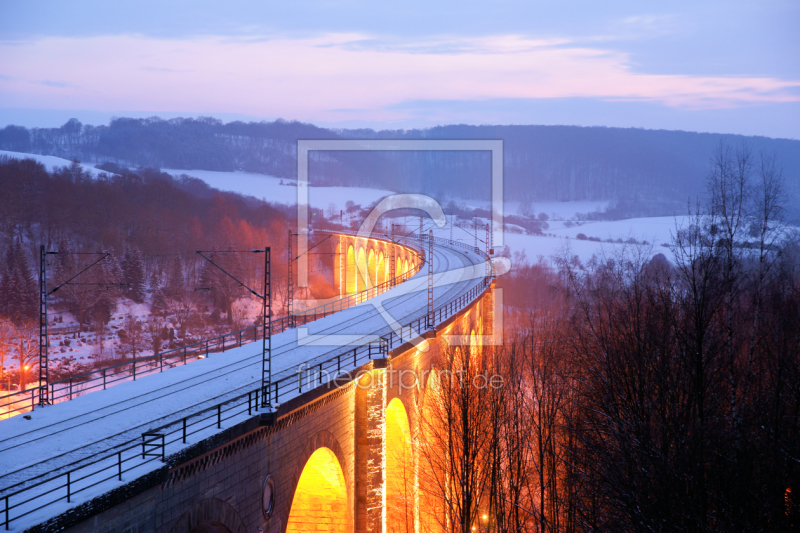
(51, 162)
(282, 191)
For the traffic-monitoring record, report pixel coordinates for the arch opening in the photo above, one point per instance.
(350, 272)
(400, 478)
(361, 270)
(320, 499)
(210, 526)
(381, 275)
(372, 269)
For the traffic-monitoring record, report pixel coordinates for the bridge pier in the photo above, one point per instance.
(370, 430)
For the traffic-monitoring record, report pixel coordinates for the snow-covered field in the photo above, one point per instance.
(560, 237)
(51, 162)
(270, 189)
(563, 234)
(656, 231)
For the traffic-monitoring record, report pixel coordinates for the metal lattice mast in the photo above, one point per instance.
(44, 367)
(393, 272)
(475, 227)
(488, 254)
(266, 344)
(289, 281)
(451, 228)
(266, 324)
(342, 265)
(430, 280)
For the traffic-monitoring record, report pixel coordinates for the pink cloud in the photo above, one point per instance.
(311, 78)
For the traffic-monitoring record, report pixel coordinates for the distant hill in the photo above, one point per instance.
(645, 172)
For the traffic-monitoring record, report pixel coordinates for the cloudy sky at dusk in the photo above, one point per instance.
(722, 66)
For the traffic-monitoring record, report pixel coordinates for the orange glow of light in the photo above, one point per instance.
(473, 344)
(361, 270)
(372, 269)
(350, 272)
(400, 478)
(320, 500)
(381, 275)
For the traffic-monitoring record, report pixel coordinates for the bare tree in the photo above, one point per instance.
(6, 339)
(134, 339)
(457, 443)
(26, 344)
(154, 332)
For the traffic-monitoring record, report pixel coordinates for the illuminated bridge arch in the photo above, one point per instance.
(382, 266)
(320, 501)
(372, 268)
(350, 272)
(361, 270)
(400, 472)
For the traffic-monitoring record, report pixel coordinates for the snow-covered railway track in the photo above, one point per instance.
(65, 435)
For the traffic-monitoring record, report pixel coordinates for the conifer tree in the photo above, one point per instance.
(17, 286)
(133, 274)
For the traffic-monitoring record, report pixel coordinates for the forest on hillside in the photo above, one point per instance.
(149, 289)
(644, 172)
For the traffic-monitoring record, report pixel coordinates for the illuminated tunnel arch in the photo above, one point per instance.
(372, 268)
(350, 272)
(400, 472)
(320, 499)
(405, 266)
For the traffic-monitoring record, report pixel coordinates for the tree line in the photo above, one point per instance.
(639, 394)
(643, 172)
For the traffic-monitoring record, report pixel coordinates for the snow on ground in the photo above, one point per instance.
(562, 233)
(51, 162)
(68, 434)
(655, 230)
(270, 189)
(554, 210)
(563, 238)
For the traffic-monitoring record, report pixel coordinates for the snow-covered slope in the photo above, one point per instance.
(51, 162)
(270, 189)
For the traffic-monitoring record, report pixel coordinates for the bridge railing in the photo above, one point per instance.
(134, 457)
(132, 369)
(319, 372)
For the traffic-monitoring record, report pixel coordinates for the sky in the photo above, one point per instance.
(727, 66)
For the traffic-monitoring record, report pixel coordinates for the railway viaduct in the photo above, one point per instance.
(338, 455)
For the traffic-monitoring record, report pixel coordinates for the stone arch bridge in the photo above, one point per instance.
(339, 454)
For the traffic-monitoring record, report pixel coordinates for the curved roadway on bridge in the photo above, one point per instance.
(64, 435)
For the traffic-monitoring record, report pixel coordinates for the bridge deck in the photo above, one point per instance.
(36, 454)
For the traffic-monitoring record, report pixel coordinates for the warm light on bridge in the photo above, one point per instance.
(320, 500)
(400, 472)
